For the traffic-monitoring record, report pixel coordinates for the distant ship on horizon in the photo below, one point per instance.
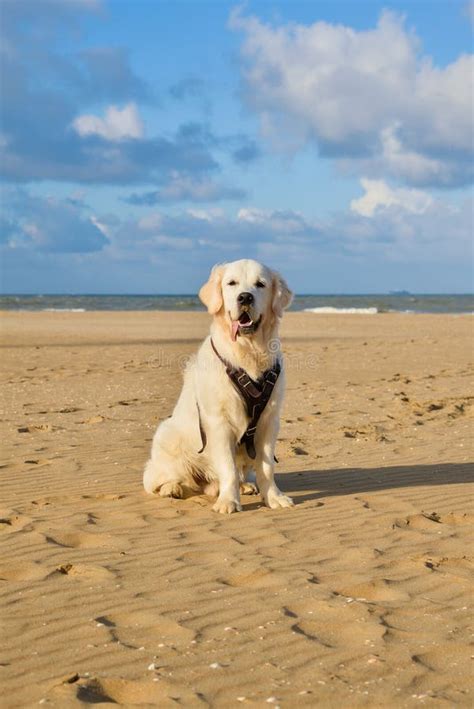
(399, 292)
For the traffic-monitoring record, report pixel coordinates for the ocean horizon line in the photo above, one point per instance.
(341, 294)
(357, 303)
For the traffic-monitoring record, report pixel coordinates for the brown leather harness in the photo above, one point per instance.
(255, 394)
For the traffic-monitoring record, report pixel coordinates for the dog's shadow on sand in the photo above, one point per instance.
(321, 484)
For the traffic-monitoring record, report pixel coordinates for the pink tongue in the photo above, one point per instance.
(235, 329)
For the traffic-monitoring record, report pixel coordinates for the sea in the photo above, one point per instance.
(351, 304)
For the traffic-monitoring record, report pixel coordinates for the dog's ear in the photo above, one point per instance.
(282, 295)
(211, 292)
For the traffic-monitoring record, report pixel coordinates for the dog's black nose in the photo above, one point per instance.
(245, 299)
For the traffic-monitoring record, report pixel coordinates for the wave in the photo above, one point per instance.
(64, 310)
(344, 311)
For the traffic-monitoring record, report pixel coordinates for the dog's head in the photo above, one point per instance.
(247, 294)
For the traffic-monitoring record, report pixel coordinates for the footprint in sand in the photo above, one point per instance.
(377, 590)
(297, 450)
(335, 625)
(251, 575)
(85, 572)
(141, 627)
(124, 520)
(461, 567)
(22, 571)
(93, 419)
(124, 402)
(128, 692)
(462, 407)
(43, 502)
(457, 519)
(431, 521)
(108, 496)
(435, 406)
(79, 540)
(37, 428)
(12, 522)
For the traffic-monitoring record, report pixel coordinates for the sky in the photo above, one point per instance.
(143, 141)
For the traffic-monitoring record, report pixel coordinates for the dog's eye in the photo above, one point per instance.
(260, 284)
(232, 283)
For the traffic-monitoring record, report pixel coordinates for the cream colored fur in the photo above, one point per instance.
(223, 467)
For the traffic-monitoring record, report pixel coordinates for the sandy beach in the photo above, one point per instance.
(358, 597)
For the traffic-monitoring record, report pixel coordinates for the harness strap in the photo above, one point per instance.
(256, 395)
(201, 430)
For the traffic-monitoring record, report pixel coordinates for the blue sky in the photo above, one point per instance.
(144, 141)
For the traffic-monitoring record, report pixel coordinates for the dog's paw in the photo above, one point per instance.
(226, 507)
(276, 500)
(171, 490)
(248, 489)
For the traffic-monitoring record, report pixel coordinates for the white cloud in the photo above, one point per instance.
(206, 215)
(49, 225)
(361, 96)
(253, 215)
(104, 228)
(182, 187)
(279, 222)
(408, 164)
(151, 222)
(379, 195)
(174, 242)
(187, 187)
(117, 123)
(387, 223)
(404, 225)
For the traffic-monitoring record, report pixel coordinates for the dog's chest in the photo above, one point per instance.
(234, 409)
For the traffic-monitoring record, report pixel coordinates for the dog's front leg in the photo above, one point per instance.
(264, 468)
(222, 444)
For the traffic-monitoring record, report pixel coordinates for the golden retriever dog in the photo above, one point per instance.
(225, 423)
